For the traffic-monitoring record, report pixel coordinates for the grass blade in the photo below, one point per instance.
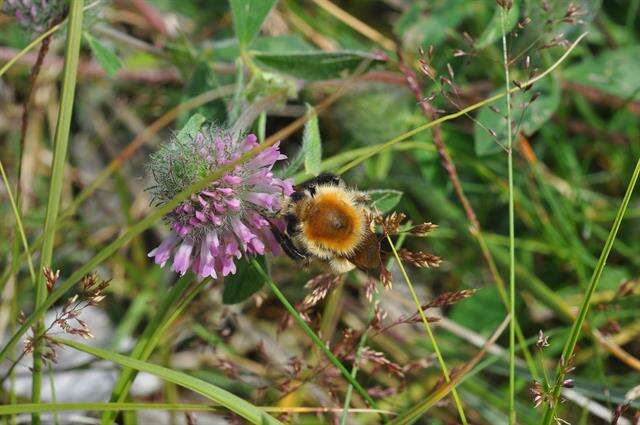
(61, 141)
(146, 344)
(23, 236)
(232, 402)
(15, 409)
(570, 346)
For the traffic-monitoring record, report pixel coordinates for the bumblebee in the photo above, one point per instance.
(326, 220)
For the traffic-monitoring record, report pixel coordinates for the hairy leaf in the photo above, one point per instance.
(315, 65)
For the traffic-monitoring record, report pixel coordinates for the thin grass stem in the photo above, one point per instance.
(356, 361)
(150, 337)
(512, 241)
(434, 343)
(36, 41)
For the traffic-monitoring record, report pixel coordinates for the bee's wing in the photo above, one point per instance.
(368, 256)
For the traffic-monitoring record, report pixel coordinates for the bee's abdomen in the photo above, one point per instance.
(333, 224)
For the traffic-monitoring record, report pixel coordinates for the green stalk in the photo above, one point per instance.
(158, 212)
(570, 346)
(512, 241)
(316, 340)
(418, 409)
(61, 141)
(432, 338)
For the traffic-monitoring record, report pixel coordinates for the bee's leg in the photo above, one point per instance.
(288, 246)
(292, 224)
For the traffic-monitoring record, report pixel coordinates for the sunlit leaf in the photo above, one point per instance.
(316, 65)
(311, 144)
(384, 200)
(614, 72)
(105, 57)
(248, 16)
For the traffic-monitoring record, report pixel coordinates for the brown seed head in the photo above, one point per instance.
(419, 258)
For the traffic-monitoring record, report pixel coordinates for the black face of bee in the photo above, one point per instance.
(321, 179)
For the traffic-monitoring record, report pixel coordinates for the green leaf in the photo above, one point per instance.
(614, 72)
(229, 49)
(105, 57)
(385, 199)
(248, 16)
(315, 65)
(493, 31)
(311, 144)
(535, 115)
(232, 402)
(203, 79)
(191, 128)
(417, 27)
(242, 285)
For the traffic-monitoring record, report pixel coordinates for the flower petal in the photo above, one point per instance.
(182, 259)
(163, 251)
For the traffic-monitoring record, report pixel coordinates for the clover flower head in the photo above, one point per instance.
(35, 15)
(226, 221)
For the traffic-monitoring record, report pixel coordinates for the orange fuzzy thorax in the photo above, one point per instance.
(331, 221)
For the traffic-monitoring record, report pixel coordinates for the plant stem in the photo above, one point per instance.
(434, 343)
(571, 343)
(512, 242)
(316, 340)
(61, 141)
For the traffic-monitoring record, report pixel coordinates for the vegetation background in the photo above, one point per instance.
(371, 90)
